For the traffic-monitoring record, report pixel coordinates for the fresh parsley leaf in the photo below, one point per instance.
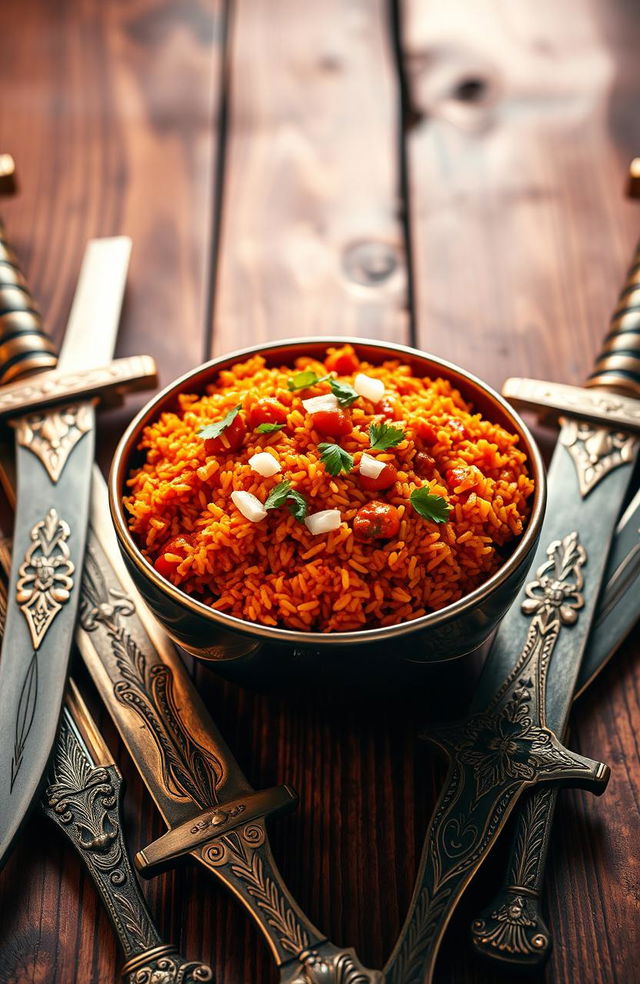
(383, 436)
(216, 429)
(430, 506)
(302, 380)
(267, 428)
(278, 496)
(283, 493)
(297, 504)
(344, 392)
(335, 459)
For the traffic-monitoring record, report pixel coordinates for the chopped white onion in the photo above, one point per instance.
(370, 467)
(328, 401)
(324, 521)
(250, 507)
(372, 389)
(265, 464)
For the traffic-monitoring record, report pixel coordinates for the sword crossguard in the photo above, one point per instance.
(212, 823)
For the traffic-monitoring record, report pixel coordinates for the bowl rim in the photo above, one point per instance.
(321, 639)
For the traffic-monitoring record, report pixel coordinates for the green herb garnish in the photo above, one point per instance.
(302, 380)
(268, 428)
(344, 392)
(430, 506)
(283, 493)
(383, 436)
(216, 429)
(335, 459)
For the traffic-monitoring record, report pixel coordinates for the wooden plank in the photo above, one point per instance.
(520, 238)
(311, 244)
(110, 111)
(311, 238)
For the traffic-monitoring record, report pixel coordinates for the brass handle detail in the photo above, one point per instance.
(24, 346)
(210, 824)
(618, 365)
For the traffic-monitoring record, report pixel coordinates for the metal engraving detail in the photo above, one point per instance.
(189, 771)
(335, 967)
(238, 850)
(495, 754)
(168, 968)
(84, 801)
(45, 582)
(24, 716)
(512, 926)
(595, 451)
(53, 435)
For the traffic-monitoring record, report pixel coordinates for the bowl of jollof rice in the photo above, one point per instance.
(318, 497)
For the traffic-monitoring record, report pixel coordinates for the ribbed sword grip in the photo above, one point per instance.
(24, 347)
(617, 367)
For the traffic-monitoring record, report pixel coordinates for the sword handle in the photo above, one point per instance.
(24, 347)
(84, 801)
(617, 368)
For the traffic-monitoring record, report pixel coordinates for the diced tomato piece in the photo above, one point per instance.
(332, 423)
(343, 361)
(177, 546)
(424, 465)
(462, 479)
(388, 408)
(376, 521)
(267, 412)
(385, 480)
(230, 439)
(427, 432)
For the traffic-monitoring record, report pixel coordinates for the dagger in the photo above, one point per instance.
(508, 742)
(54, 451)
(511, 929)
(83, 798)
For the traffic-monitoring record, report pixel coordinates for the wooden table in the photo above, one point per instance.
(437, 172)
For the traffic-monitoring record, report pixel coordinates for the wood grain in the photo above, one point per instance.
(110, 112)
(521, 237)
(311, 238)
(116, 113)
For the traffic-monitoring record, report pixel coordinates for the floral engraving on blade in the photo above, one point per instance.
(595, 451)
(84, 801)
(189, 771)
(45, 576)
(495, 754)
(169, 969)
(53, 434)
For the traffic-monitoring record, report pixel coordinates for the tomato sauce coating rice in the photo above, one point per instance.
(363, 573)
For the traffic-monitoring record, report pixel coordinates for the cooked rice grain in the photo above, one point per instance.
(275, 572)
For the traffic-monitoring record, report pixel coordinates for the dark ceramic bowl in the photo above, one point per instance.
(225, 640)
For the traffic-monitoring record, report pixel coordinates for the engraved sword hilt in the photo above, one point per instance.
(83, 798)
(24, 346)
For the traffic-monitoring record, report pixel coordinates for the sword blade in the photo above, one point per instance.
(54, 459)
(526, 688)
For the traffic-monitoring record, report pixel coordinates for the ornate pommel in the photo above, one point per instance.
(212, 823)
(24, 346)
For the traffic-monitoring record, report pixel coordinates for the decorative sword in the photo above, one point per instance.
(52, 414)
(211, 810)
(83, 798)
(511, 929)
(508, 742)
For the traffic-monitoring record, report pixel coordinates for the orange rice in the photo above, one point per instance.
(275, 571)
